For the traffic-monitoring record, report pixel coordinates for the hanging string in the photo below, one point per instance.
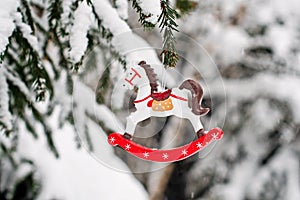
(163, 73)
(163, 79)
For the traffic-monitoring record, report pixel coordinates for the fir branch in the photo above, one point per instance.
(27, 14)
(20, 99)
(55, 11)
(29, 58)
(106, 34)
(56, 31)
(92, 35)
(103, 85)
(5, 114)
(167, 24)
(186, 6)
(47, 130)
(26, 187)
(142, 16)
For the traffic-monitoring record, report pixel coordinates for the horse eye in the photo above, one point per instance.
(130, 73)
(123, 85)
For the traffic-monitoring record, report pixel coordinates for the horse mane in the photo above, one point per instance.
(150, 74)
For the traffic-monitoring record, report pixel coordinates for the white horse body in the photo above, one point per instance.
(136, 76)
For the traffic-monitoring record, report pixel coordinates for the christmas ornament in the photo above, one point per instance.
(151, 103)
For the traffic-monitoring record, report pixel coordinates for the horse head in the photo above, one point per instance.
(136, 76)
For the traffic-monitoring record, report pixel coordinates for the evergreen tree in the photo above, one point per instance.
(44, 47)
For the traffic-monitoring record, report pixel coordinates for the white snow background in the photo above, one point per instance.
(76, 174)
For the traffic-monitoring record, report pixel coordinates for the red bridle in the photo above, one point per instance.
(136, 74)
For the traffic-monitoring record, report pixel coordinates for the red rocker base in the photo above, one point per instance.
(166, 155)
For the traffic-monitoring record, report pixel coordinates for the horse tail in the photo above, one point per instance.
(197, 94)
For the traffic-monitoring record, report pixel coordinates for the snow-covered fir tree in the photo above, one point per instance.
(60, 62)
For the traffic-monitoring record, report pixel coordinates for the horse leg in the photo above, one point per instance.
(196, 123)
(132, 120)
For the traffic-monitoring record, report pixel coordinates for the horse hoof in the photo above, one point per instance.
(200, 132)
(127, 136)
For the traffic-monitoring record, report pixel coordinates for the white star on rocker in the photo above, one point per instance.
(199, 145)
(146, 154)
(112, 139)
(184, 152)
(215, 136)
(127, 146)
(165, 156)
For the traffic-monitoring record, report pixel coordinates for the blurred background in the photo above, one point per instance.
(60, 96)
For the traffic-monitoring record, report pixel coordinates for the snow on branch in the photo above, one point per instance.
(124, 37)
(7, 9)
(16, 81)
(78, 36)
(5, 115)
(153, 8)
(110, 18)
(148, 10)
(84, 100)
(67, 12)
(26, 32)
(122, 8)
(281, 87)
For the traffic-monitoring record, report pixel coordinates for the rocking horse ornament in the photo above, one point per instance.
(149, 102)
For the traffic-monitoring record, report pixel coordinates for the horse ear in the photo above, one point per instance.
(142, 62)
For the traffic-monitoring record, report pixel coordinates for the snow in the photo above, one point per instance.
(284, 162)
(119, 92)
(126, 42)
(270, 11)
(129, 44)
(263, 110)
(84, 103)
(19, 84)
(224, 42)
(110, 17)
(66, 5)
(78, 36)
(79, 174)
(122, 8)
(5, 115)
(262, 106)
(264, 84)
(27, 32)
(231, 43)
(151, 7)
(137, 49)
(239, 179)
(7, 9)
(76, 174)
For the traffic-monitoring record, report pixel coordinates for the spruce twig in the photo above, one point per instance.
(167, 24)
(142, 16)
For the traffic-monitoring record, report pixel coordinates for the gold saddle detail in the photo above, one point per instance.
(161, 106)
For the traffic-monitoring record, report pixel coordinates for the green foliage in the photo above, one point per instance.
(168, 25)
(185, 6)
(26, 188)
(169, 54)
(17, 186)
(103, 85)
(28, 70)
(32, 73)
(28, 65)
(142, 16)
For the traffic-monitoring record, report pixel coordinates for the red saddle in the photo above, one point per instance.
(160, 96)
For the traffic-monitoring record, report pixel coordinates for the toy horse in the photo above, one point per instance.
(173, 101)
(149, 102)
